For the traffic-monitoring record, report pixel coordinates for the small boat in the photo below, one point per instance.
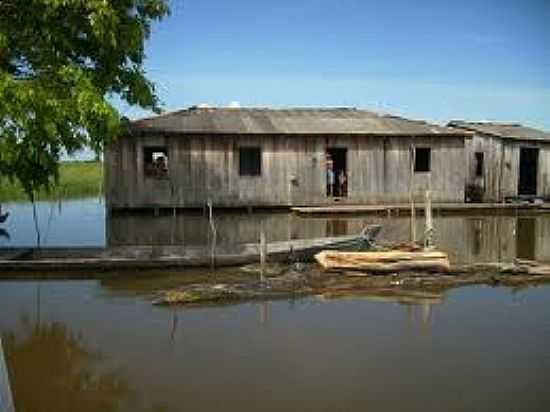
(4, 217)
(299, 250)
(288, 251)
(304, 250)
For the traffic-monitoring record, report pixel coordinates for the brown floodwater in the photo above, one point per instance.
(101, 346)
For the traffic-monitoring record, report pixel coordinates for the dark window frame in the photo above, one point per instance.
(250, 161)
(422, 159)
(479, 156)
(150, 167)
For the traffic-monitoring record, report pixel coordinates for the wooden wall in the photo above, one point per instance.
(293, 171)
(501, 166)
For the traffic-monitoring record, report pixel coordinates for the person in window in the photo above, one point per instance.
(161, 166)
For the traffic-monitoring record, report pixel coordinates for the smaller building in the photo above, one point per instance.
(506, 161)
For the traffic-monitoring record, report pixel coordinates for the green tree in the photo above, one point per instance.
(61, 61)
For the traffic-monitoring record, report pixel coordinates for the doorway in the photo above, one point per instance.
(337, 184)
(528, 170)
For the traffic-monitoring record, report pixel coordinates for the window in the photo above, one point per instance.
(250, 161)
(479, 164)
(155, 162)
(422, 161)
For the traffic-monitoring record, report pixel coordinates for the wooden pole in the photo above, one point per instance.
(411, 195)
(263, 252)
(173, 228)
(428, 233)
(6, 399)
(214, 236)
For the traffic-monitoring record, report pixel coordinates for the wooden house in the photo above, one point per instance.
(506, 161)
(253, 157)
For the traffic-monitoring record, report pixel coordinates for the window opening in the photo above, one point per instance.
(422, 161)
(155, 161)
(250, 161)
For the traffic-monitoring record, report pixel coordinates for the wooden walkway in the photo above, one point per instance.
(6, 400)
(405, 208)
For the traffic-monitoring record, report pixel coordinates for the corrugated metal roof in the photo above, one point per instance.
(502, 130)
(287, 121)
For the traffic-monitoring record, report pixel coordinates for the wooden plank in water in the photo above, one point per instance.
(6, 400)
(392, 261)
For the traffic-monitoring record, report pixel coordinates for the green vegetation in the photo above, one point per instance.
(76, 180)
(62, 64)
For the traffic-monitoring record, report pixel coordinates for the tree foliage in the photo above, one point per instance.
(60, 62)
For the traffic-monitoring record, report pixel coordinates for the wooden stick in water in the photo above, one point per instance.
(428, 234)
(214, 236)
(263, 252)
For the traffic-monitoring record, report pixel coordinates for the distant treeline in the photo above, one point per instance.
(76, 180)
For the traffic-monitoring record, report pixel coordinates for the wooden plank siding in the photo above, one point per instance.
(500, 177)
(293, 170)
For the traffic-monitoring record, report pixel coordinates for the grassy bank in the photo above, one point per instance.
(76, 180)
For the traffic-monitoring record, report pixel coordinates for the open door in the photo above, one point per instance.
(337, 172)
(528, 170)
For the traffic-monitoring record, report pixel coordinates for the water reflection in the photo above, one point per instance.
(526, 238)
(467, 239)
(99, 350)
(52, 370)
(85, 223)
(4, 234)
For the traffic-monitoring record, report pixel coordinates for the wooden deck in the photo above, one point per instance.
(6, 400)
(419, 207)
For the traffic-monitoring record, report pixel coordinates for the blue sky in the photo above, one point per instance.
(433, 60)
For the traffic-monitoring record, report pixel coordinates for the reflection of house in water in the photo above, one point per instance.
(506, 160)
(264, 157)
(467, 239)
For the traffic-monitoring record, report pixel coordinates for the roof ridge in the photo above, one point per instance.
(156, 116)
(486, 123)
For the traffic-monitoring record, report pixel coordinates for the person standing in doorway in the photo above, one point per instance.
(331, 178)
(342, 183)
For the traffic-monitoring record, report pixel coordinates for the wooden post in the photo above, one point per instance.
(263, 252)
(428, 233)
(173, 228)
(214, 236)
(263, 312)
(411, 195)
(6, 399)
